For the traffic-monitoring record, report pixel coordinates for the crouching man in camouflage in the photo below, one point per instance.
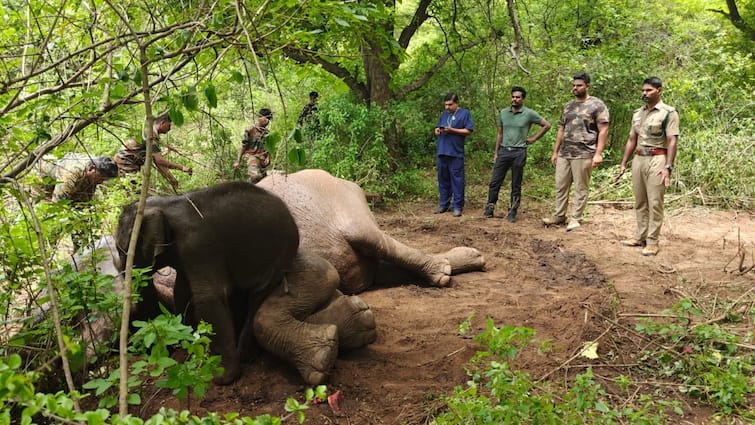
(253, 147)
(75, 178)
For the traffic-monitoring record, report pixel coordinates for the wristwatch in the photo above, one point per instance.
(670, 168)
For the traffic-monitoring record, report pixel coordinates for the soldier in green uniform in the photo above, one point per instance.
(581, 138)
(132, 155)
(75, 177)
(653, 139)
(253, 147)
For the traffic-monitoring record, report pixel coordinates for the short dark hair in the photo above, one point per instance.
(452, 97)
(105, 166)
(653, 81)
(314, 94)
(519, 89)
(583, 76)
(267, 113)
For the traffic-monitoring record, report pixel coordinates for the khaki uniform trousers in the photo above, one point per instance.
(648, 188)
(570, 171)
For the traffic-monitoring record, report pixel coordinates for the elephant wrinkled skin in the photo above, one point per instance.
(336, 223)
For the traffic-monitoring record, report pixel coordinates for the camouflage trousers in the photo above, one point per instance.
(256, 166)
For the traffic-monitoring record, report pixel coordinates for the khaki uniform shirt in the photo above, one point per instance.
(70, 175)
(580, 122)
(647, 125)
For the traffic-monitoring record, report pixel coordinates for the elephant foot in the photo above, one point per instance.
(438, 271)
(463, 259)
(231, 372)
(317, 355)
(353, 318)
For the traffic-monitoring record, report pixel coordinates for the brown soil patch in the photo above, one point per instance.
(561, 284)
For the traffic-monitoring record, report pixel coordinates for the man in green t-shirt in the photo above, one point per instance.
(511, 144)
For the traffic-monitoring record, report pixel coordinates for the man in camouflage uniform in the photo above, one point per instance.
(132, 155)
(581, 138)
(253, 147)
(653, 139)
(307, 114)
(75, 177)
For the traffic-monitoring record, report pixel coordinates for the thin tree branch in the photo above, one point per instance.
(51, 293)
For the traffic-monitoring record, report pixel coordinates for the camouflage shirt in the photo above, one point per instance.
(580, 123)
(254, 139)
(652, 126)
(69, 175)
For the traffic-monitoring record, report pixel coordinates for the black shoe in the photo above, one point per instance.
(457, 213)
(489, 211)
(441, 210)
(512, 216)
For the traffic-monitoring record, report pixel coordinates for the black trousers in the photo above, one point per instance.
(508, 158)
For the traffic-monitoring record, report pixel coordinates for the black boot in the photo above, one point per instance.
(512, 215)
(489, 211)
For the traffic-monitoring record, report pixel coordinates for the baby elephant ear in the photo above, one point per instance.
(155, 234)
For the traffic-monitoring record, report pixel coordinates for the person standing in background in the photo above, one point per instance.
(511, 144)
(581, 138)
(653, 139)
(454, 125)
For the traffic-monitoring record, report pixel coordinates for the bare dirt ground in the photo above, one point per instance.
(569, 287)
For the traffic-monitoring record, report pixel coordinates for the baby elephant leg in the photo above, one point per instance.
(352, 316)
(279, 326)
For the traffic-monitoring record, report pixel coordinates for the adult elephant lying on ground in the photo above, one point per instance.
(336, 223)
(235, 250)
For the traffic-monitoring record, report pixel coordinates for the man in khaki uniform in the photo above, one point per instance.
(653, 137)
(581, 138)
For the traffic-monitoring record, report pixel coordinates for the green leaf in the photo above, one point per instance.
(176, 116)
(134, 399)
(138, 77)
(149, 339)
(272, 141)
(297, 156)
(211, 95)
(341, 22)
(236, 77)
(190, 101)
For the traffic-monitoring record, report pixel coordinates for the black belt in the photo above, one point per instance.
(512, 148)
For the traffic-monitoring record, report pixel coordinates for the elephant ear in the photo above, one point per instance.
(155, 234)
